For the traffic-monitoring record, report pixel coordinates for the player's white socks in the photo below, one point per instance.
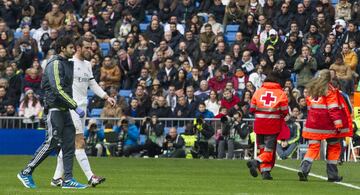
(59, 171)
(84, 162)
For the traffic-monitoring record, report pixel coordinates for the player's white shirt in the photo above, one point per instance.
(83, 79)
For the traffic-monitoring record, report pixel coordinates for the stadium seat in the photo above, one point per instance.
(230, 37)
(148, 18)
(105, 48)
(334, 2)
(90, 94)
(124, 93)
(166, 130)
(232, 28)
(17, 34)
(95, 112)
(180, 130)
(143, 26)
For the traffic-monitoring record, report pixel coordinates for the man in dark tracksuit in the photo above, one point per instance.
(57, 85)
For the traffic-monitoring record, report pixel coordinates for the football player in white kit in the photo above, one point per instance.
(83, 78)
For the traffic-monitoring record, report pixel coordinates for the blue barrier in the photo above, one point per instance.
(20, 141)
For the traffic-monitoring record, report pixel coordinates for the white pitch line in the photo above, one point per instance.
(320, 177)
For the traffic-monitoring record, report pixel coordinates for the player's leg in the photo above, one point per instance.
(310, 156)
(53, 139)
(59, 171)
(80, 153)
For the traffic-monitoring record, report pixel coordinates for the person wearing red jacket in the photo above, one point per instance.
(229, 100)
(328, 119)
(270, 106)
(218, 82)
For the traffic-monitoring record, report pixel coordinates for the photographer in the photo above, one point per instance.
(154, 130)
(285, 148)
(94, 138)
(235, 133)
(174, 145)
(204, 133)
(128, 137)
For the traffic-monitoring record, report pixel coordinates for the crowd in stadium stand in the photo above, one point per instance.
(180, 58)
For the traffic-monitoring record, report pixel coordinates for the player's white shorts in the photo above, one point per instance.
(79, 123)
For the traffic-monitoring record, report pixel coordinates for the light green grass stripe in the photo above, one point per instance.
(320, 177)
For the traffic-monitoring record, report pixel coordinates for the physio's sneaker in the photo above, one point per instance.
(96, 180)
(26, 180)
(253, 166)
(302, 176)
(56, 182)
(73, 184)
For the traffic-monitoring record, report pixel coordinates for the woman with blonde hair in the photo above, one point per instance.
(328, 119)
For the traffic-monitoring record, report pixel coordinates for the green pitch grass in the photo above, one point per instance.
(177, 176)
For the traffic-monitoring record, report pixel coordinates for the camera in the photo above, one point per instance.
(226, 119)
(147, 120)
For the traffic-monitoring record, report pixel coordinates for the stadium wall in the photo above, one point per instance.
(20, 141)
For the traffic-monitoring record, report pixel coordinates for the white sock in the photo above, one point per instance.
(84, 162)
(59, 171)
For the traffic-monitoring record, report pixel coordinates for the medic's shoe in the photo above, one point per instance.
(73, 184)
(26, 180)
(302, 176)
(96, 180)
(253, 166)
(266, 175)
(337, 179)
(57, 182)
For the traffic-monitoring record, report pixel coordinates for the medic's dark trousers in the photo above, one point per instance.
(267, 147)
(60, 135)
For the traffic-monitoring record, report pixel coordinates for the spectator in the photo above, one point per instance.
(203, 112)
(156, 89)
(40, 32)
(218, 82)
(174, 144)
(3, 100)
(212, 104)
(233, 14)
(343, 10)
(110, 73)
(154, 131)
(305, 66)
(301, 17)
(55, 17)
(323, 24)
(229, 100)
(171, 97)
(94, 137)
(247, 62)
(32, 80)
(160, 108)
(129, 68)
(248, 28)
(274, 41)
(257, 78)
(285, 148)
(154, 32)
(218, 10)
(15, 83)
(167, 74)
(290, 56)
(184, 10)
(30, 108)
(166, 9)
(203, 92)
(207, 36)
(270, 9)
(325, 58)
(10, 12)
(47, 42)
(143, 98)
(344, 74)
(181, 109)
(136, 9)
(350, 58)
(282, 19)
(105, 28)
(123, 26)
(134, 110)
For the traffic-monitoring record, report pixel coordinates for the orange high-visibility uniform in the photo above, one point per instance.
(328, 118)
(270, 106)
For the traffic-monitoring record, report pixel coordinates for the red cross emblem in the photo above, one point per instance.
(268, 98)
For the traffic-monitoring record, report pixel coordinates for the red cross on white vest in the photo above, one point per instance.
(268, 98)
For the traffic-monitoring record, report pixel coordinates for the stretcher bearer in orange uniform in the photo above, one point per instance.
(270, 106)
(328, 119)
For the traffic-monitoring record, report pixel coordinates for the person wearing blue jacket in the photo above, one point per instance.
(128, 135)
(203, 112)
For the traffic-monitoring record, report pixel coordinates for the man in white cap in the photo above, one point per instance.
(274, 40)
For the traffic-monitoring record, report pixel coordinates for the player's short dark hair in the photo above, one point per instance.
(63, 42)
